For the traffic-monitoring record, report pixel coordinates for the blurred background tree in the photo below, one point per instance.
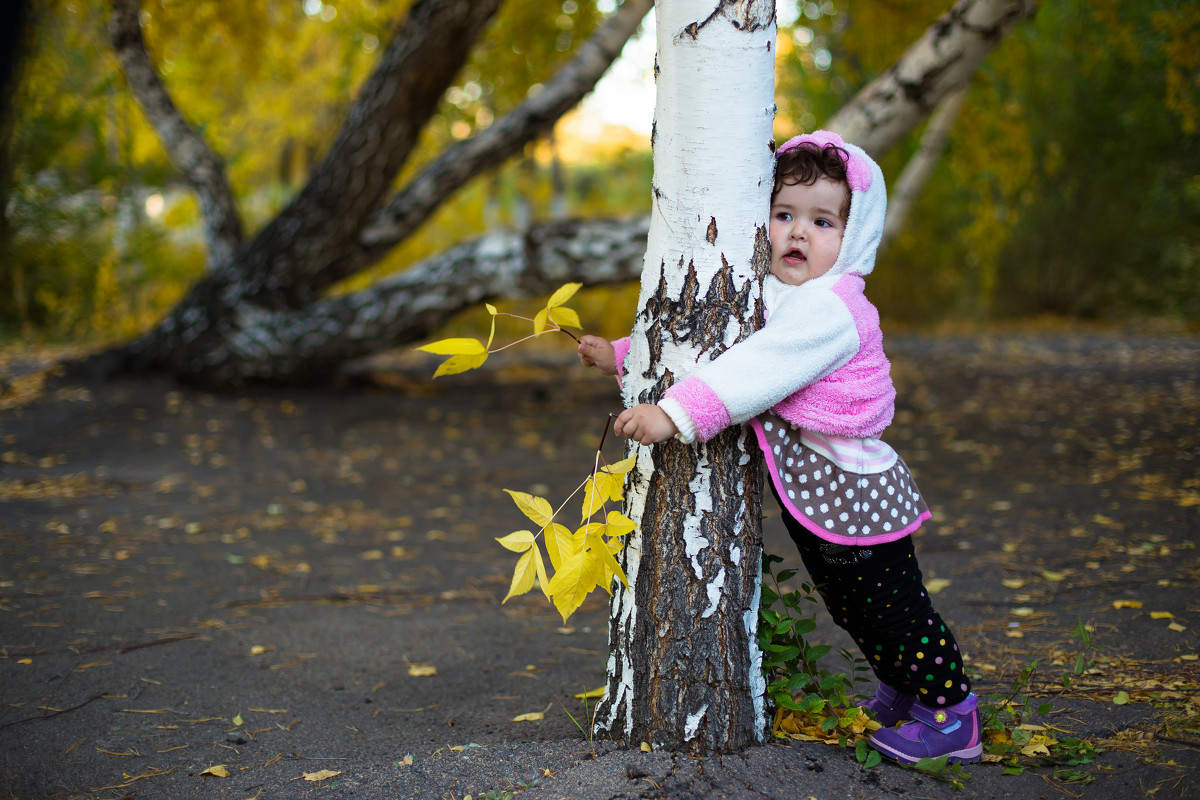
(1070, 186)
(1071, 183)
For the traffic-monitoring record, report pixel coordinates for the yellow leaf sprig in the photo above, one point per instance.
(583, 559)
(467, 353)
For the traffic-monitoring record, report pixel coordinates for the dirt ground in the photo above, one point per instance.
(273, 583)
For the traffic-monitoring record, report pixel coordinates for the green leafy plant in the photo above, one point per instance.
(812, 702)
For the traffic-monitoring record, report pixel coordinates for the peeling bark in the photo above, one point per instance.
(938, 63)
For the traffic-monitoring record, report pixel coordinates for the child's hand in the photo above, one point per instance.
(646, 424)
(597, 352)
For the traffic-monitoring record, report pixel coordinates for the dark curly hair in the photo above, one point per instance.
(808, 162)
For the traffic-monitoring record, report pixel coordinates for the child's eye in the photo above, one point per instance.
(823, 223)
(783, 216)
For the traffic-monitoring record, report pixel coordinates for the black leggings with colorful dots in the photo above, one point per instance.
(875, 593)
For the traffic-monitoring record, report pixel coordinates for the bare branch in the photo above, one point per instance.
(532, 118)
(942, 60)
(184, 146)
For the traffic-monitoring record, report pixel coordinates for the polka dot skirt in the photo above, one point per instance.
(834, 500)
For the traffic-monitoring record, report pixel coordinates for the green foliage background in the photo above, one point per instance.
(1071, 185)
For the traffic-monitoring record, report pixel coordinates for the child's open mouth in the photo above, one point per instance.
(794, 256)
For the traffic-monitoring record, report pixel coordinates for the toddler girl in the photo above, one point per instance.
(815, 386)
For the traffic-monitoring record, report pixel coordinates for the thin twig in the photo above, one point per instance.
(53, 714)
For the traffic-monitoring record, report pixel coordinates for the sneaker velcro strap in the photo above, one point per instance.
(941, 719)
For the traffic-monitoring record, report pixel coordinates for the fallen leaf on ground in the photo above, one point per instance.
(1127, 603)
(422, 670)
(591, 694)
(1161, 615)
(321, 775)
(935, 585)
(1175, 626)
(219, 771)
(533, 716)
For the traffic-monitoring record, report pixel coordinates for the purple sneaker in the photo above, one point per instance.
(889, 705)
(933, 733)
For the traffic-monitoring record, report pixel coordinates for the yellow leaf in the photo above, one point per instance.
(1127, 604)
(619, 524)
(536, 508)
(1161, 615)
(25, 661)
(563, 294)
(560, 543)
(321, 775)
(591, 694)
(540, 567)
(492, 334)
(571, 584)
(533, 716)
(935, 585)
(523, 575)
(611, 567)
(541, 322)
(457, 364)
(455, 347)
(422, 670)
(517, 541)
(601, 488)
(565, 318)
(621, 467)
(237, 719)
(219, 771)
(1121, 698)
(1175, 626)
(1023, 611)
(1035, 750)
(1013, 583)
(1054, 576)
(646, 748)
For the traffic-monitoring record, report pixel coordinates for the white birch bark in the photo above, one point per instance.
(684, 668)
(941, 61)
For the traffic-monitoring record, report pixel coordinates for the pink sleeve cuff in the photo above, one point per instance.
(620, 350)
(701, 403)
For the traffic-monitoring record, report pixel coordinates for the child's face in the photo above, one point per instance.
(806, 230)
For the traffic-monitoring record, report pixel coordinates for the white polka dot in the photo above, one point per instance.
(767, 425)
(824, 508)
(883, 503)
(856, 507)
(841, 477)
(837, 502)
(828, 470)
(833, 486)
(887, 526)
(875, 518)
(866, 529)
(820, 491)
(844, 517)
(874, 493)
(891, 490)
(790, 461)
(804, 494)
(850, 493)
(777, 452)
(787, 476)
(853, 529)
(829, 524)
(812, 458)
(808, 510)
(802, 478)
(883, 480)
(895, 512)
(791, 494)
(816, 475)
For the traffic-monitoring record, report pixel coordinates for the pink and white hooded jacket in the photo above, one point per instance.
(818, 362)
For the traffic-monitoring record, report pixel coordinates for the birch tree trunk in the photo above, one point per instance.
(684, 669)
